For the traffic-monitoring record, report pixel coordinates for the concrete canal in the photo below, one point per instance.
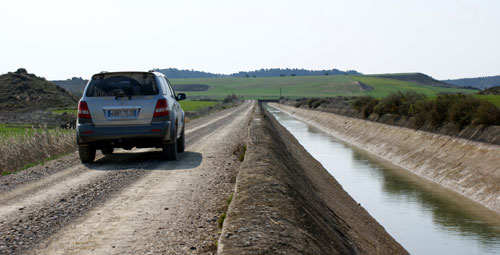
(423, 216)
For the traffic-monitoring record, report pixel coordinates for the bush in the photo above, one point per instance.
(425, 113)
(365, 105)
(459, 109)
(487, 114)
(317, 103)
(463, 110)
(312, 102)
(400, 103)
(230, 98)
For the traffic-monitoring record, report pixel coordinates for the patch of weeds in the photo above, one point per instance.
(5, 173)
(241, 156)
(222, 217)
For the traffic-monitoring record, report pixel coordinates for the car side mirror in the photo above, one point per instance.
(181, 96)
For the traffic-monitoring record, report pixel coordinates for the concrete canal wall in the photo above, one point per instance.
(285, 202)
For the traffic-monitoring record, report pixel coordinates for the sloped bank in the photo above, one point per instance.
(285, 202)
(467, 167)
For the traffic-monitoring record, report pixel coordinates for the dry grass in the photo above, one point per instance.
(20, 150)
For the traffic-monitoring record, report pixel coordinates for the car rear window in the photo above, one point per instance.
(122, 84)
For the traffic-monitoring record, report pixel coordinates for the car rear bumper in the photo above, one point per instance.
(88, 133)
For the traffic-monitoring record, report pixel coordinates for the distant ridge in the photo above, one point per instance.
(276, 72)
(174, 73)
(478, 82)
(74, 85)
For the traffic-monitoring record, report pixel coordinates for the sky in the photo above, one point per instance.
(68, 38)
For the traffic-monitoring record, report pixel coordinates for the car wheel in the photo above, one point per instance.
(107, 150)
(181, 142)
(170, 150)
(87, 154)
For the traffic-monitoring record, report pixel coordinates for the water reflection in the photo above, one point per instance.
(458, 216)
(424, 217)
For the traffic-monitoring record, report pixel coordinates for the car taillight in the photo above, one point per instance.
(161, 108)
(83, 110)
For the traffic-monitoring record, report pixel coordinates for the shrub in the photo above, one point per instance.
(317, 103)
(424, 112)
(463, 109)
(487, 114)
(459, 109)
(313, 102)
(230, 98)
(399, 103)
(365, 105)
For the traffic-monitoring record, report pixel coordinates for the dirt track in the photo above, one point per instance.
(129, 202)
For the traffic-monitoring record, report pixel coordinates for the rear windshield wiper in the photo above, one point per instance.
(123, 95)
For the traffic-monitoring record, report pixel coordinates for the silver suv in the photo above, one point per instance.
(129, 109)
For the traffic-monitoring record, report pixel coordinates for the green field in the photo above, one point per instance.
(495, 99)
(188, 105)
(306, 86)
(18, 130)
(269, 87)
(14, 129)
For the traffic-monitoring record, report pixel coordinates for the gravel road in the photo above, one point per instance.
(130, 202)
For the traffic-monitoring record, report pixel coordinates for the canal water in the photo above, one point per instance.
(422, 216)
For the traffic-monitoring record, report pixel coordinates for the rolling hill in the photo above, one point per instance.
(22, 91)
(300, 86)
(416, 78)
(312, 86)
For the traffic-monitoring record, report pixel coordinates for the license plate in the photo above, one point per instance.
(122, 113)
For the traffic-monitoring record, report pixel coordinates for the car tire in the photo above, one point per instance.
(170, 150)
(87, 154)
(107, 150)
(181, 142)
